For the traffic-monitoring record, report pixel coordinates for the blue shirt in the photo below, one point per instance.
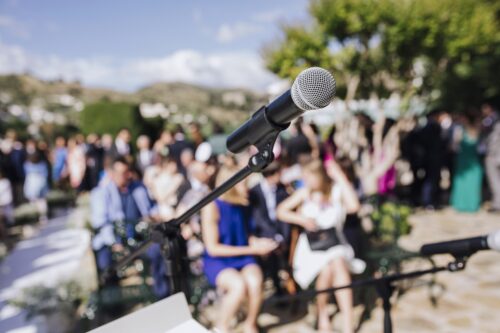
(108, 205)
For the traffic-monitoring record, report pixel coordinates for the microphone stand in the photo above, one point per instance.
(168, 234)
(383, 285)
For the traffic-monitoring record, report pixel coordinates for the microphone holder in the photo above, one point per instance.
(168, 234)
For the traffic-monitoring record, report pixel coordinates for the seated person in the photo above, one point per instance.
(264, 198)
(121, 199)
(321, 206)
(229, 262)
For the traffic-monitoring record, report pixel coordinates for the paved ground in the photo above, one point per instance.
(52, 253)
(467, 301)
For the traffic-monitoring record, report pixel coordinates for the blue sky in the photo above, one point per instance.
(127, 44)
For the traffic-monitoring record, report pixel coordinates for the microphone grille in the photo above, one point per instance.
(313, 89)
(494, 240)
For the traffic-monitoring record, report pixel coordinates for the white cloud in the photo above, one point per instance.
(230, 32)
(228, 69)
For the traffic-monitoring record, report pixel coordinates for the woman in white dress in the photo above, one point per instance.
(322, 205)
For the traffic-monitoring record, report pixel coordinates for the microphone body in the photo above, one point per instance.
(314, 88)
(463, 247)
(278, 114)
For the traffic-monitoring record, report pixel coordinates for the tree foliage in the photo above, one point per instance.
(446, 51)
(110, 117)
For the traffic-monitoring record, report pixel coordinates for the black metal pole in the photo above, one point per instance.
(385, 290)
(235, 179)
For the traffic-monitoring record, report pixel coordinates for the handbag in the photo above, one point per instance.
(323, 240)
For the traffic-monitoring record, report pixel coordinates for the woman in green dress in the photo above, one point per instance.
(468, 175)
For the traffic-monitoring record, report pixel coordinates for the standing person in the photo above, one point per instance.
(186, 158)
(6, 205)
(302, 144)
(122, 147)
(264, 199)
(145, 155)
(229, 261)
(320, 208)
(413, 151)
(59, 156)
(36, 184)
(329, 146)
(165, 188)
(386, 143)
(107, 145)
(16, 156)
(377, 165)
(180, 144)
(434, 152)
(468, 175)
(195, 134)
(43, 148)
(76, 163)
(162, 145)
(491, 133)
(94, 160)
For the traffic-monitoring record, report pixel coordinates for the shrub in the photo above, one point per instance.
(110, 117)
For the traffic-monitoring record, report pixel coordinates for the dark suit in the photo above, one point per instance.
(264, 226)
(113, 151)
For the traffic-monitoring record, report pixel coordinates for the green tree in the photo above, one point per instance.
(107, 117)
(443, 51)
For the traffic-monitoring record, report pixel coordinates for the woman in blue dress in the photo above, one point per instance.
(229, 262)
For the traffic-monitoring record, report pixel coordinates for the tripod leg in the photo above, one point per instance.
(385, 290)
(387, 316)
(177, 266)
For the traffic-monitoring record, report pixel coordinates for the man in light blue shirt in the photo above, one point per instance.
(118, 198)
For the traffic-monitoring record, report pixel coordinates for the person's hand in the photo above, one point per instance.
(117, 247)
(263, 246)
(309, 224)
(186, 232)
(307, 130)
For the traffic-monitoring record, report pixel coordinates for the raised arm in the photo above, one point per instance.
(349, 195)
(287, 210)
(311, 138)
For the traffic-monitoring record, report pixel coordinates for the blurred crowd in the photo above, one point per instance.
(320, 180)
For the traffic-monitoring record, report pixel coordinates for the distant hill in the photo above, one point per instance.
(228, 105)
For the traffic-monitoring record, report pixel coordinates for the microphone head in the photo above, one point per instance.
(494, 240)
(313, 89)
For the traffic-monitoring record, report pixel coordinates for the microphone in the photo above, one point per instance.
(464, 247)
(314, 88)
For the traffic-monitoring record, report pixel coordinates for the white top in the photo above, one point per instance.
(269, 192)
(307, 264)
(5, 192)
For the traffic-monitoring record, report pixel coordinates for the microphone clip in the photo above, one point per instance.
(458, 264)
